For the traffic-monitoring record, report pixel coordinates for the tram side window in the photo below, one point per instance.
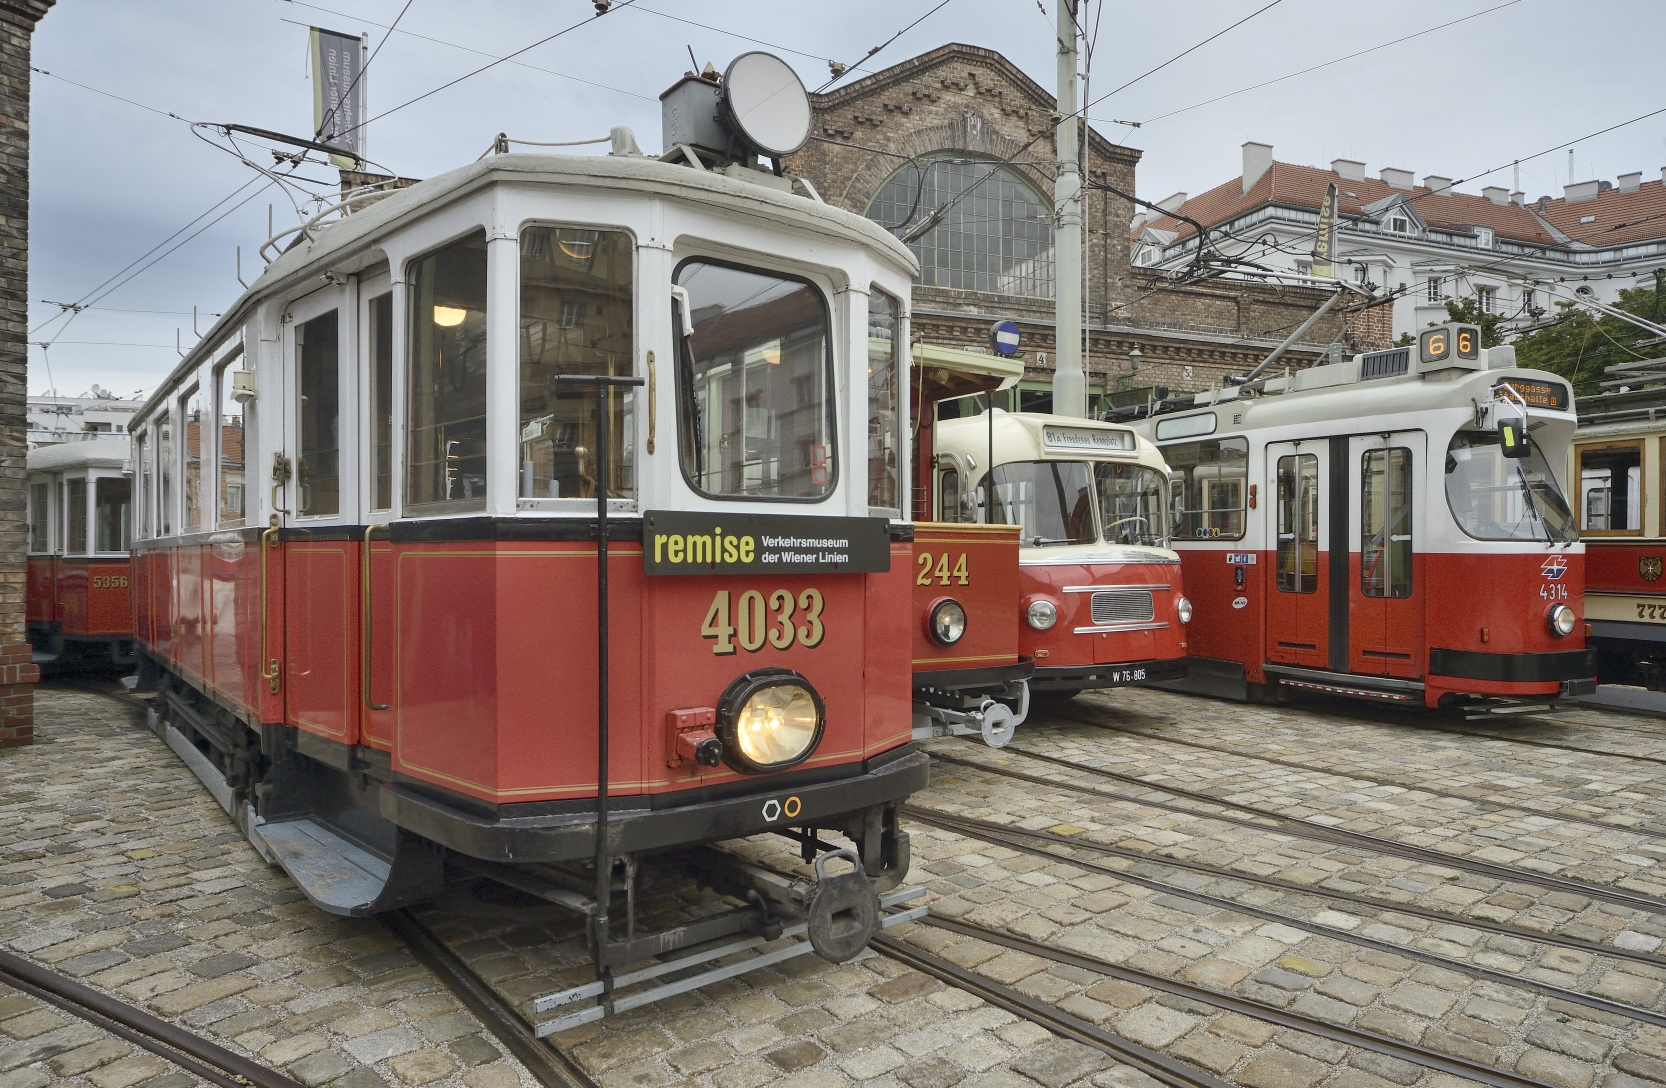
(230, 453)
(1385, 523)
(884, 405)
(1052, 500)
(1131, 504)
(317, 361)
(445, 456)
(381, 398)
(191, 483)
(1493, 497)
(948, 494)
(1610, 489)
(112, 497)
(1298, 523)
(165, 499)
(40, 517)
(755, 386)
(576, 318)
(141, 509)
(75, 516)
(1206, 491)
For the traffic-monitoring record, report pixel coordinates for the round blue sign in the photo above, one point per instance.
(1003, 337)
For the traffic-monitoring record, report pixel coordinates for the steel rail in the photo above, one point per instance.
(1259, 1010)
(1444, 917)
(1494, 806)
(548, 1065)
(1381, 845)
(189, 1051)
(1154, 1064)
(1532, 743)
(1015, 839)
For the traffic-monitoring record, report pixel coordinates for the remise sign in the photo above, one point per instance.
(685, 542)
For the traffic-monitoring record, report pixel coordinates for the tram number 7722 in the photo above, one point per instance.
(751, 626)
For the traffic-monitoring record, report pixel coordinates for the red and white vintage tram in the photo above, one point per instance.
(80, 607)
(1390, 527)
(379, 622)
(1100, 601)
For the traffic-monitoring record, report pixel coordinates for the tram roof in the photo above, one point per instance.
(1023, 436)
(341, 240)
(113, 452)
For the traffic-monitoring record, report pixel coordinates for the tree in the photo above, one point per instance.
(1577, 344)
(1469, 312)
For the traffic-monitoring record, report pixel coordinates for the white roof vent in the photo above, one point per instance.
(1348, 168)
(1396, 179)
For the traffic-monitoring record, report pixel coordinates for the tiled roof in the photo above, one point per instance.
(1621, 218)
(1304, 187)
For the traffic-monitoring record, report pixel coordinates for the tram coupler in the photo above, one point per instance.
(980, 715)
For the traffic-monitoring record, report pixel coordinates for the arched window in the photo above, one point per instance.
(995, 233)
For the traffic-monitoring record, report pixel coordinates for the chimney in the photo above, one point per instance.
(1401, 179)
(1517, 197)
(1437, 184)
(1348, 168)
(1258, 159)
(1630, 183)
(1497, 194)
(1172, 203)
(1581, 191)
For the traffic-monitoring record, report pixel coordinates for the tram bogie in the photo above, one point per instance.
(79, 590)
(387, 657)
(1390, 527)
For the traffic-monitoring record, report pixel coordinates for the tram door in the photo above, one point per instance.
(1298, 609)
(1385, 591)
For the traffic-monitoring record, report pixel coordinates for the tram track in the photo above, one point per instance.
(185, 1049)
(1339, 1033)
(1359, 840)
(1649, 834)
(1029, 842)
(1411, 910)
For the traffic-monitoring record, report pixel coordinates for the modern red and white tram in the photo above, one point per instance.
(1100, 601)
(79, 601)
(1390, 527)
(388, 654)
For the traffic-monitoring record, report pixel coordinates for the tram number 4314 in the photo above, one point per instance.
(783, 620)
(1553, 591)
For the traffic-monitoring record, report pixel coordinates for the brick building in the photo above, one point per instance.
(17, 669)
(902, 143)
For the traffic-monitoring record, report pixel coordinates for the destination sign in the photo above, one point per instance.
(706, 542)
(1538, 394)
(1055, 436)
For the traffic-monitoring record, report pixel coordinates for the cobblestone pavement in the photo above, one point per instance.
(116, 867)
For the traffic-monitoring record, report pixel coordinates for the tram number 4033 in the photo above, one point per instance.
(787, 619)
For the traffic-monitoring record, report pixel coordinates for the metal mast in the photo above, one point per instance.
(1069, 383)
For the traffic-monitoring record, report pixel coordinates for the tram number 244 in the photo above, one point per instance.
(780, 620)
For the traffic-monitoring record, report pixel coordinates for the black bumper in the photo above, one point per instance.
(966, 679)
(508, 837)
(1079, 677)
(1514, 668)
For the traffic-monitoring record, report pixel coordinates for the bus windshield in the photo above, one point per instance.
(1493, 497)
(1052, 500)
(1131, 504)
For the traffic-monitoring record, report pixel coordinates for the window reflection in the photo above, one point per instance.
(446, 455)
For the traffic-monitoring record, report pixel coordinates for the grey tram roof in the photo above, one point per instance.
(340, 241)
(67, 456)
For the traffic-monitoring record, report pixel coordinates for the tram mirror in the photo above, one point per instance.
(1512, 438)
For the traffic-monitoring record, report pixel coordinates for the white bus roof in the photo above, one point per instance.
(112, 452)
(1032, 436)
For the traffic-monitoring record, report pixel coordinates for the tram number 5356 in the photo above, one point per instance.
(786, 620)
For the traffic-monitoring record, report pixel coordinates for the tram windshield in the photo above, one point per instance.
(1131, 504)
(1493, 497)
(1052, 500)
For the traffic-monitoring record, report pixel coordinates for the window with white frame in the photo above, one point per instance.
(1484, 237)
(1435, 292)
(1486, 299)
(1399, 225)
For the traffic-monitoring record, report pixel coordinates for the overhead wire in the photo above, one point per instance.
(1179, 55)
(840, 73)
(329, 114)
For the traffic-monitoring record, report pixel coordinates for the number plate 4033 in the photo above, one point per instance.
(785, 620)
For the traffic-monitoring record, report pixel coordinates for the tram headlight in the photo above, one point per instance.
(1183, 608)
(1041, 614)
(947, 622)
(1561, 620)
(769, 720)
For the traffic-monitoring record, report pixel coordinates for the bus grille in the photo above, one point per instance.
(1123, 606)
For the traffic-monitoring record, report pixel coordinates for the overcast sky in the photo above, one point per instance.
(111, 180)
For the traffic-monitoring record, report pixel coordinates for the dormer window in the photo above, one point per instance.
(1584, 219)
(1484, 237)
(1399, 225)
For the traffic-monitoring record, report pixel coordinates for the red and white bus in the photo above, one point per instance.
(1390, 527)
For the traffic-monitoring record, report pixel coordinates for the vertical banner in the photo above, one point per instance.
(338, 93)
(1324, 247)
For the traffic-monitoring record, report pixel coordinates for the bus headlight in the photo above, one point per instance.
(769, 720)
(1041, 615)
(1183, 608)
(947, 622)
(1561, 620)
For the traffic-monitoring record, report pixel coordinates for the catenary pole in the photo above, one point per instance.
(1069, 383)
